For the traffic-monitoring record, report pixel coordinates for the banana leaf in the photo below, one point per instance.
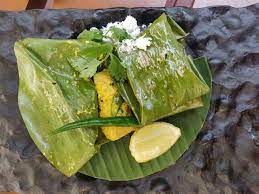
(114, 161)
(51, 94)
(161, 81)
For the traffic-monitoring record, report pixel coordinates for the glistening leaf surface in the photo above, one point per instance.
(161, 77)
(51, 94)
(114, 161)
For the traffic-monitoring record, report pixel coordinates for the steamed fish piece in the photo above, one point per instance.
(161, 80)
(111, 104)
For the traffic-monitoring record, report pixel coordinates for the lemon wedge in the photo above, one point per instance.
(153, 140)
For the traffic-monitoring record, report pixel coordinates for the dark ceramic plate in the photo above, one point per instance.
(224, 158)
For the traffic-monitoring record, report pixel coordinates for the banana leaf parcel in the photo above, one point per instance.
(51, 95)
(161, 80)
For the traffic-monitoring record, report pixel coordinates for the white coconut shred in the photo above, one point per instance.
(131, 27)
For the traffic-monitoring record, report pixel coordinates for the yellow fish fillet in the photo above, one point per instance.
(111, 104)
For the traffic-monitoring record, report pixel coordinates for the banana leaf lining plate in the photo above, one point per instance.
(114, 161)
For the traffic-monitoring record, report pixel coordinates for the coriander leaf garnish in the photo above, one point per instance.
(89, 58)
(90, 67)
(85, 66)
(94, 34)
(117, 34)
(118, 72)
(95, 49)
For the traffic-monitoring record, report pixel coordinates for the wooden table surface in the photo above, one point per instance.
(59, 4)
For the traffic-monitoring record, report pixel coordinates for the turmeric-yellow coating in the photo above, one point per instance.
(111, 105)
